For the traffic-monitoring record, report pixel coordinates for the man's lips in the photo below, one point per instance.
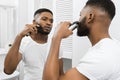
(47, 28)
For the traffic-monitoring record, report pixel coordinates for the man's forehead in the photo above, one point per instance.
(46, 14)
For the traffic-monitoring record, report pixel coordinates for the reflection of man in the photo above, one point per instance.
(102, 61)
(33, 48)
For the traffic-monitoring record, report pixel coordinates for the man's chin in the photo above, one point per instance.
(46, 33)
(81, 35)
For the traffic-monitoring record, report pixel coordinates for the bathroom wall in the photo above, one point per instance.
(7, 21)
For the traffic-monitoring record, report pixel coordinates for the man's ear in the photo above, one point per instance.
(34, 21)
(91, 17)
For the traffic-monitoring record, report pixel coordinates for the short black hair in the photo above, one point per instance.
(39, 11)
(106, 5)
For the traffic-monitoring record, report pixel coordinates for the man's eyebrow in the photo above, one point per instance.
(44, 17)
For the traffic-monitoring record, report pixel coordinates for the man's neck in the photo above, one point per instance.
(96, 38)
(39, 38)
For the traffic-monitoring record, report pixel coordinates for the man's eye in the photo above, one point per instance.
(44, 19)
(51, 20)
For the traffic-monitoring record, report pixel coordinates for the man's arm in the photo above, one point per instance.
(52, 65)
(61, 67)
(13, 56)
(51, 69)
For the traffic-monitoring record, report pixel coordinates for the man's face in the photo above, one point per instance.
(45, 22)
(83, 29)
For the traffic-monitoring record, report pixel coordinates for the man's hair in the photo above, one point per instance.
(39, 11)
(106, 5)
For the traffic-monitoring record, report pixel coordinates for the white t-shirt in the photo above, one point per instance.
(34, 56)
(102, 61)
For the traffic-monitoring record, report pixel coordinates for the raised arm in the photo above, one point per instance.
(51, 70)
(61, 71)
(13, 56)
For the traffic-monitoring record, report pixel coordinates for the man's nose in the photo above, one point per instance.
(49, 22)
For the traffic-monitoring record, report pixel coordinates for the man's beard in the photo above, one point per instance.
(82, 30)
(40, 30)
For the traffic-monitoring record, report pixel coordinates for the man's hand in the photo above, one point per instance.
(62, 30)
(29, 29)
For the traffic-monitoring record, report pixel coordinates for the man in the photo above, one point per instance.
(102, 61)
(33, 48)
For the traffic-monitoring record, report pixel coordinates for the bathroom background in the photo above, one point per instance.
(14, 14)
